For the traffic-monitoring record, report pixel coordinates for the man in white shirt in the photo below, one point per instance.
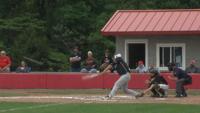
(141, 68)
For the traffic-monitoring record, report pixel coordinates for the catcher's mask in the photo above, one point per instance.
(154, 72)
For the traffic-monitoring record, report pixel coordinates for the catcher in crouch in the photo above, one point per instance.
(124, 72)
(157, 85)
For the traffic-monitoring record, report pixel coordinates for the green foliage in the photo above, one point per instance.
(57, 61)
(46, 30)
(21, 23)
(1, 45)
(31, 44)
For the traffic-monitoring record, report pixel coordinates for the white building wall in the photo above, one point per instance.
(192, 45)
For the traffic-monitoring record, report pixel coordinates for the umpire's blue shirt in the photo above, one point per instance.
(179, 73)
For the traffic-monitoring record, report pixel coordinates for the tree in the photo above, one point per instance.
(46, 30)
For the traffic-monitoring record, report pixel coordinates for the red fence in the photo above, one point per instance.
(74, 81)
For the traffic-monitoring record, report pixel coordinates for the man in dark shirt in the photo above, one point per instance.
(181, 78)
(124, 72)
(106, 60)
(157, 85)
(75, 60)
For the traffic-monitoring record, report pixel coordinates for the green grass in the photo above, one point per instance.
(6, 107)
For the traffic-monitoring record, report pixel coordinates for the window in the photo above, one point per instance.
(170, 53)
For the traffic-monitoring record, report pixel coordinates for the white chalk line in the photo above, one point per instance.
(59, 97)
(29, 107)
(38, 97)
(84, 98)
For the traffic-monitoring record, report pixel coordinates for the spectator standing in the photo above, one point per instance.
(5, 62)
(23, 68)
(141, 68)
(90, 64)
(75, 60)
(192, 68)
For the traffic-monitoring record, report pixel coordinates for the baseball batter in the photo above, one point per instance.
(123, 70)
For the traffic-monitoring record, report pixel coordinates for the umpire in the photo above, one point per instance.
(181, 78)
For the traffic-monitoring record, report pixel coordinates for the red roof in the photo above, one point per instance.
(150, 22)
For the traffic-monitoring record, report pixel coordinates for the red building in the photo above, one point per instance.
(156, 36)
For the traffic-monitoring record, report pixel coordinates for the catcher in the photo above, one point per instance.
(157, 85)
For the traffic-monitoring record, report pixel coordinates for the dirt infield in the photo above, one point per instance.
(100, 99)
(88, 96)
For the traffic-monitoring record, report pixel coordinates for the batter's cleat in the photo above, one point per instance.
(139, 95)
(107, 97)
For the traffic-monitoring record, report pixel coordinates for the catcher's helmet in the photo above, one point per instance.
(154, 72)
